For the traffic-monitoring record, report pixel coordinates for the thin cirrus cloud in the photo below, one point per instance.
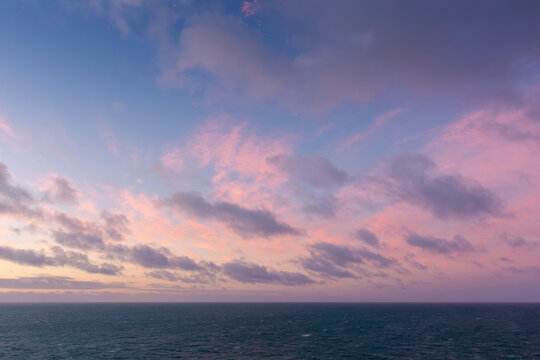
(372, 129)
(243, 221)
(6, 128)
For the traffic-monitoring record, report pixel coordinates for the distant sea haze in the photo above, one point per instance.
(275, 331)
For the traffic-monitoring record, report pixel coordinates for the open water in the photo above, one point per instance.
(270, 331)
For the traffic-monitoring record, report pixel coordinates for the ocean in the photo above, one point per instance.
(270, 331)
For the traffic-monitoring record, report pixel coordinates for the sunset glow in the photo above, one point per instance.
(269, 151)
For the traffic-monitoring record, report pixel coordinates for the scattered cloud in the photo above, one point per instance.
(170, 276)
(245, 222)
(367, 237)
(446, 196)
(246, 272)
(78, 234)
(89, 235)
(440, 246)
(116, 226)
(59, 257)
(60, 189)
(337, 261)
(14, 199)
(55, 283)
(325, 207)
(517, 241)
(314, 170)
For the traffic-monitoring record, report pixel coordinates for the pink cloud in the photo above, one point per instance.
(172, 159)
(249, 8)
(372, 129)
(6, 128)
(237, 156)
(496, 147)
(124, 152)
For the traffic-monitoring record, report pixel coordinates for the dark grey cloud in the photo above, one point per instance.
(445, 196)
(55, 283)
(245, 222)
(324, 207)
(252, 273)
(367, 237)
(61, 190)
(336, 261)
(314, 170)
(441, 246)
(14, 199)
(59, 257)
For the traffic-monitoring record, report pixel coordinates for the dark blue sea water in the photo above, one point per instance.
(269, 331)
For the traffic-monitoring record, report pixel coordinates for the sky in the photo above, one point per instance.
(269, 150)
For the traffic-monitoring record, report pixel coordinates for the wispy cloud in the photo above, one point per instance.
(6, 128)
